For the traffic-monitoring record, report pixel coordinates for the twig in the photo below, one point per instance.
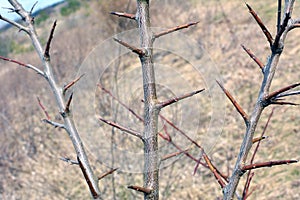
(68, 160)
(258, 139)
(125, 106)
(19, 26)
(171, 30)
(107, 173)
(261, 25)
(268, 164)
(122, 128)
(176, 99)
(214, 171)
(66, 87)
(140, 189)
(136, 50)
(279, 15)
(282, 103)
(288, 94)
(250, 175)
(86, 176)
(46, 54)
(198, 163)
(262, 136)
(247, 185)
(67, 108)
(31, 10)
(171, 155)
(256, 60)
(293, 26)
(280, 32)
(278, 92)
(38, 71)
(236, 105)
(249, 193)
(126, 15)
(43, 108)
(55, 124)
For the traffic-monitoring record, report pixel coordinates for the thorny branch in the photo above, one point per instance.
(63, 106)
(269, 72)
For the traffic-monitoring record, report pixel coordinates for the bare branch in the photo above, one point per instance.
(261, 25)
(136, 50)
(256, 60)
(19, 26)
(279, 15)
(43, 108)
(68, 160)
(293, 26)
(125, 106)
(167, 137)
(86, 176)
(197, 165)
(125, 15)
(274, 95)
(176, 99)
(214, 171)
(288, 94)
(38, 71)
(247, 184)
(140, 189)
(55, 124)
(249, 193)
(122, 128)
(66, 87)
(268, 164)
(171, 30)
(46, 54)
(281, 31)
(283, 103)
(31, 10)
(180, 131)
(107, 173)
(262, 136)
(171, 155)
(258, 140)
(236, 105)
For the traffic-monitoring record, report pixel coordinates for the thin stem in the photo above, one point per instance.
(177, 28)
